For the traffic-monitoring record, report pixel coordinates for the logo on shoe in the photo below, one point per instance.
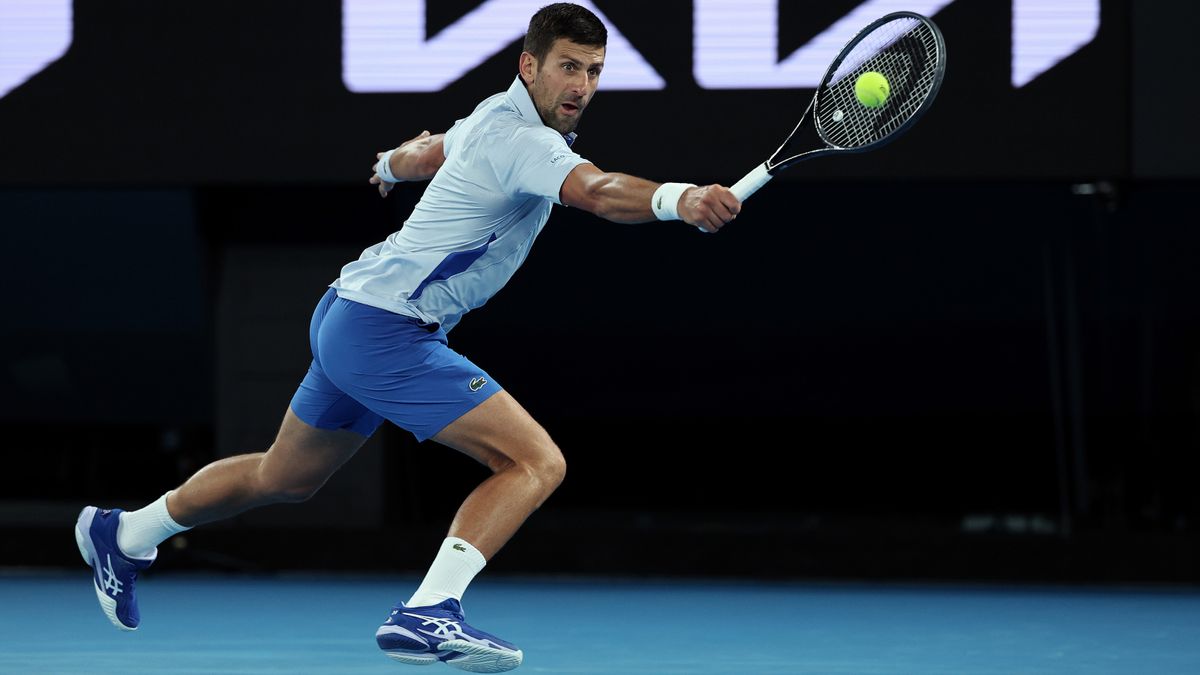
(477, 383)
(112, 585)
(444, 629)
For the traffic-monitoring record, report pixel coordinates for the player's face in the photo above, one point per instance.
(563, 84)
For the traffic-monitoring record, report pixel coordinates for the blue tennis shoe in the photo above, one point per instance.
(114, 574)
(424, 635)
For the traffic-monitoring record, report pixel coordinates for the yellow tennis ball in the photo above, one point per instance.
(872, 89)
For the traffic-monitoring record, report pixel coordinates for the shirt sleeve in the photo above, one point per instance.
(450, 138)
(534, 162)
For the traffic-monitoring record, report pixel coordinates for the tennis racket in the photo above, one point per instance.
(908, 50)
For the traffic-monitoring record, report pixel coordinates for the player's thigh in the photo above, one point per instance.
(304, 457)
(499, 432)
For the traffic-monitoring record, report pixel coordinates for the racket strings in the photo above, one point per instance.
(906, 52)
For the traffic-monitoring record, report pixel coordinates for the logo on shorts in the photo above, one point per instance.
(477, 383)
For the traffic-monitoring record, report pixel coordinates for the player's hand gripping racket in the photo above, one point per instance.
(907, 49)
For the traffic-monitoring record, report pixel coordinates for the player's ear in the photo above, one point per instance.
(527, 67)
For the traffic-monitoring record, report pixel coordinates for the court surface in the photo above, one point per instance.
(51, 623)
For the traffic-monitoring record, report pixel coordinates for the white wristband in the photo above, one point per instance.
(384, 168)
(665, 202)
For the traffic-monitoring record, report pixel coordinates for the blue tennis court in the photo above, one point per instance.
(324, 624)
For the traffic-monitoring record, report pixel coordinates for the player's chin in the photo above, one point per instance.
(565, 125)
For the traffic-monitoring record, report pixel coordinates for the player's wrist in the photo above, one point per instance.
(383, 168)
(665, 202)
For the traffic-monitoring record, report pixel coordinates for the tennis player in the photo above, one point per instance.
(379, 346)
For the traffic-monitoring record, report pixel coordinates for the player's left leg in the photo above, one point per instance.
(118, 545)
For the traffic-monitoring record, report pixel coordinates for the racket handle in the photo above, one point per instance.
(751, 182)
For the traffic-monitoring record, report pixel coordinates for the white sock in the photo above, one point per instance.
(456, 564)
(139, 532)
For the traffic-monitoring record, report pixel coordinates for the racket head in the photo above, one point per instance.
(909, 50)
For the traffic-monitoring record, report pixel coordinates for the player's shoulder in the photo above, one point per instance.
(489, 103)
(498, 127)
(516, 129)
(507, 133)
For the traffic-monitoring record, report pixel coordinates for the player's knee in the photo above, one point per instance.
(541, 462)
(550, 467)
(290, 493)
(559, 470)
(294, 494)
(287, 489)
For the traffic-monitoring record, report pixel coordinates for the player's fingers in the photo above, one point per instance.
(724, 201)
(730, 201)
(721, 211)
(714, 206)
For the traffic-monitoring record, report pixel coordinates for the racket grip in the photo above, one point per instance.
(752, 181)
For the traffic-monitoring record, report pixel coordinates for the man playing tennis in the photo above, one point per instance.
(378, 339)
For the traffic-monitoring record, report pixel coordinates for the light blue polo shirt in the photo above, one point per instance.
(477, 220)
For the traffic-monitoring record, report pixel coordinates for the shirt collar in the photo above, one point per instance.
(519, 95)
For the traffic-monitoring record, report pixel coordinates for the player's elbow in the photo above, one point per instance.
(604, 210)
(431, 157)
(596, 198)
(430, 163)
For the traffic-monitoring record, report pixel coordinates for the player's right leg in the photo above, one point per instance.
(526, 468)
(404, 371)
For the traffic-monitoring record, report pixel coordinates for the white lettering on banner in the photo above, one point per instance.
(385, 47)
(33, 34)
(735, 44)
(736, 41)
(1045, 33)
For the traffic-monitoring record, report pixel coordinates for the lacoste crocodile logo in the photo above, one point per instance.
(477, 383)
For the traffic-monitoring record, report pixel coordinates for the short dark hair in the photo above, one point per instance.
(563, 20)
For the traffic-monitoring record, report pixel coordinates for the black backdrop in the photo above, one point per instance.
(994, 373)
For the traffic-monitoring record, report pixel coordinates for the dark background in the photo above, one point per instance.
(972, 354)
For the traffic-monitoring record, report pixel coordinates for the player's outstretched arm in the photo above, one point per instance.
(418, 158)
(622, 198)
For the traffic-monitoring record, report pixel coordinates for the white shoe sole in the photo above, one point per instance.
(412, 659)
(479, 659)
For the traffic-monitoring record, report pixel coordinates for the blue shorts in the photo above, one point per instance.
(370, 364)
